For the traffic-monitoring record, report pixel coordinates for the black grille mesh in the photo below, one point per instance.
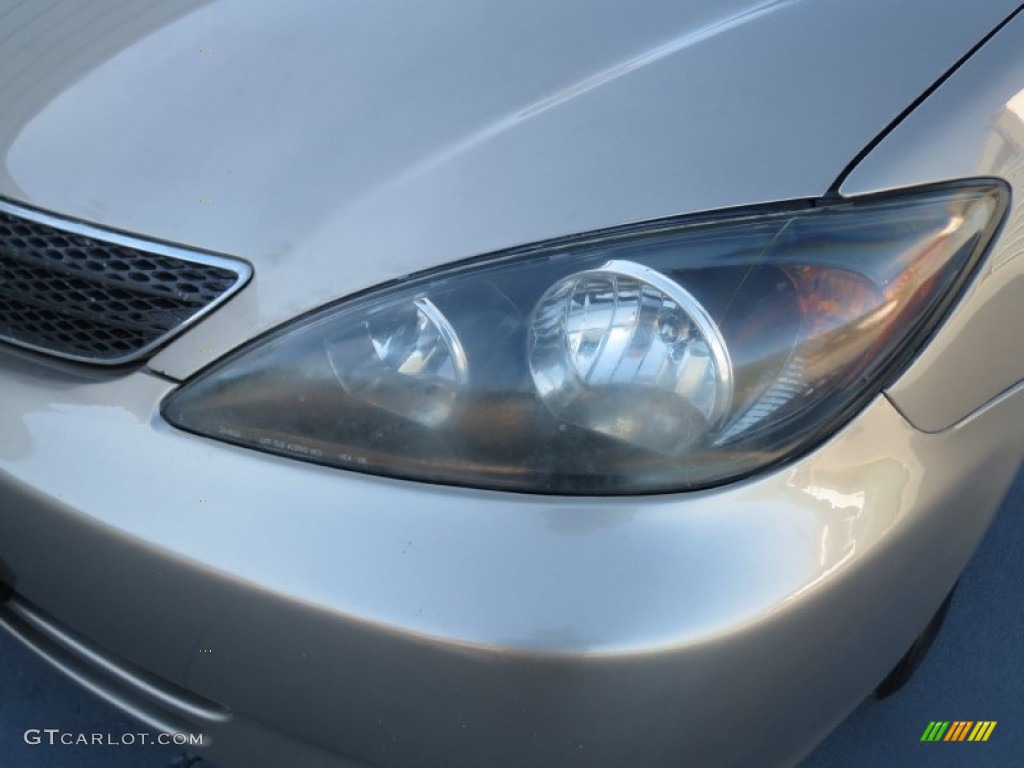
(81, 297)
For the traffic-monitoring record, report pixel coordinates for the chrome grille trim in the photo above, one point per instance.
(81, 292)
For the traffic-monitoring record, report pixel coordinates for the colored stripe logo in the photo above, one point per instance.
(958, 730)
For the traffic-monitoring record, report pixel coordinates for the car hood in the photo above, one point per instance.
(337, 144)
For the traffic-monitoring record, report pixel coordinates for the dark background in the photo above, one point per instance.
(973, 672)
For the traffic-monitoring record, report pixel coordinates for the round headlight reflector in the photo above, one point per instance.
(626, 351)
(408, 360)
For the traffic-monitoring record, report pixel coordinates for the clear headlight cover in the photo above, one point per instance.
(658, 357)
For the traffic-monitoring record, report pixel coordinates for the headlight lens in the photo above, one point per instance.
(666, 356)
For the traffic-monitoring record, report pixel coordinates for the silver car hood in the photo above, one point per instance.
(337, 144)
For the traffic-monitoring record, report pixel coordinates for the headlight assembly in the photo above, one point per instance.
(665, 356)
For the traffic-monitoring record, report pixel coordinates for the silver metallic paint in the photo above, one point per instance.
(618, 622)
(348, 143)
(424, 625)
(973, 125)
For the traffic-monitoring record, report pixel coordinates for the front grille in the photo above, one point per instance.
(79, 292)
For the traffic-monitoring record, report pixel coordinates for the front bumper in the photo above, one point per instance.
(299, 613)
